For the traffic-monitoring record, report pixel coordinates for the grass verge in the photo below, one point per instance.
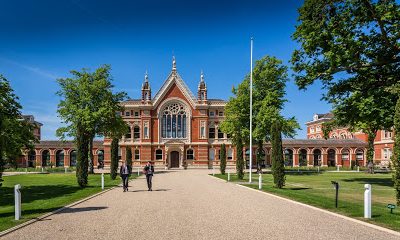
(43, 193)
(316, 190)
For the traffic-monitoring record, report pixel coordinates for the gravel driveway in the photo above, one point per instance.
(189, 204)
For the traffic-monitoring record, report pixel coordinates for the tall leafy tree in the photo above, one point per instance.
(278, 167)
(352, 47)
(269, 82)
(396, 155)
(239, 159)
(15, 133)
(114, 158)
(89, 108)
(222, 163)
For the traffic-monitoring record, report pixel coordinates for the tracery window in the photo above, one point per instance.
(174, 121)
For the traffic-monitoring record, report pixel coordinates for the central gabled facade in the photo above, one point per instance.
(174, 128)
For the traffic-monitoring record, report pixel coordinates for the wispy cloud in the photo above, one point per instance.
(32, 69)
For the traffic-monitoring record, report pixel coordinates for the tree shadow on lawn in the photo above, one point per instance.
(33, 193)
(296, 188)
(387, 182)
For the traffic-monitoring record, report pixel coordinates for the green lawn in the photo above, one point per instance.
(42, 193)
(317, 190)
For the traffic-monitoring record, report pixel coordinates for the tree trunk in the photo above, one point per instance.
(91, 162)
(396, 155)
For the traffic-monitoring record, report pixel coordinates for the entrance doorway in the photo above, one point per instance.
(174, 159)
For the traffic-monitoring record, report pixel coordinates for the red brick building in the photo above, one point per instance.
(383, 143)
(174, 128)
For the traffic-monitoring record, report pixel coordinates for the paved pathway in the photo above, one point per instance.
(191, 205)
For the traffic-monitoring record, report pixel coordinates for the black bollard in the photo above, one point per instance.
(336, 186)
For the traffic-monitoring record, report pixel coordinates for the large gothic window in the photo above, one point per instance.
(174, 121)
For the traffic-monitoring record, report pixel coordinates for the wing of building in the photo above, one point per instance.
(176, 128)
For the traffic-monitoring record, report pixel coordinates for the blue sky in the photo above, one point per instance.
(43, 40)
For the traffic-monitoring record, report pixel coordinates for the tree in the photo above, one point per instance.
(351, 46)
(239, 160)
(278, 167)
(15, 133)
(129, 157)
(222, 163)
(114, 158)
(396, 155)
(269, 82)
(88, 107)
(82, 143)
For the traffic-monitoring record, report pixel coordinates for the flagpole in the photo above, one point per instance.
(251, 109)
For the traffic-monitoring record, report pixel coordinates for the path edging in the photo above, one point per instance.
(383, 229)
(24, 224)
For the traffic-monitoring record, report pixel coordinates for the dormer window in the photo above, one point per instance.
(315, 118)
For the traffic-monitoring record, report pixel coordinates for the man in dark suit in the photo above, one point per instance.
(125, 172)
(149, 171)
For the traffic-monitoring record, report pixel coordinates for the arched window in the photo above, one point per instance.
(128, 134)
(174, 121)
(137, 154)
(60, 158)
(72, 158)
(331, 157)
(317, 157)
(189, 154)
(343, 136)
(159, 155)
(230, 154)
(303, 157)
(288, 157)
(345, 155)
(318, 136)
(31, 158)
(45, 158)
(360, 155)
(136, 132)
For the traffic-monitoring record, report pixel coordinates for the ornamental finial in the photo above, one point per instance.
(173, 63)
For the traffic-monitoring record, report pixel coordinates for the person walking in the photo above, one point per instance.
(125, 172)
(149, 171)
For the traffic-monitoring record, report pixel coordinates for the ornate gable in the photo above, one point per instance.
(174, 80)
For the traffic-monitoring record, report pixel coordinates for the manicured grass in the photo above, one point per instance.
(42, 193)
(317, 190)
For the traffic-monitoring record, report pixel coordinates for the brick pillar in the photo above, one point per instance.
(295, 159)
(310, 159)
(324, 157)
(339, 159)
